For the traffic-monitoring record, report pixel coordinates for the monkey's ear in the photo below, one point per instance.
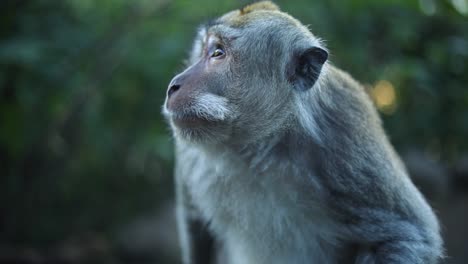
(305, 67)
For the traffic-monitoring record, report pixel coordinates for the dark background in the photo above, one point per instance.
(86, 158)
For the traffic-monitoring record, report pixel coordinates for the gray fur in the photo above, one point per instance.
(288, 176)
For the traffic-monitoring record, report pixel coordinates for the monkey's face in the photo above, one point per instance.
(244, 69)
(196, 103)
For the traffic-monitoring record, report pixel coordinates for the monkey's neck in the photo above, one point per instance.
(264, 153)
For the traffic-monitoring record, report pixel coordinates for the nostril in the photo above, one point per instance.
(172, 89)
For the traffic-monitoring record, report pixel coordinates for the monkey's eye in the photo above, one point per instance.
(218, 52)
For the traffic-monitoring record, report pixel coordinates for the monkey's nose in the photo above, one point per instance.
(173, 87)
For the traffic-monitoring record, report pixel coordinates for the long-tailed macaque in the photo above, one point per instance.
(282, 158)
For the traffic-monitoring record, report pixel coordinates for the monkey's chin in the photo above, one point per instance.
(195, 129)
(190, 122)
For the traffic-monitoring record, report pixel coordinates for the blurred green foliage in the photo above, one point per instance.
(83, 146)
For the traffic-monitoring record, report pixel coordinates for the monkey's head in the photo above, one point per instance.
(245, 70)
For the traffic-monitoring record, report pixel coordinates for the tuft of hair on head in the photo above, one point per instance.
(262, 5)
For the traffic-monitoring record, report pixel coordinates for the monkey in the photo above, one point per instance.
(281, 157)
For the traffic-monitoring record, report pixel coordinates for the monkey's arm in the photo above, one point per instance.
(383, 213)
(197, 244)
(388, 236)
